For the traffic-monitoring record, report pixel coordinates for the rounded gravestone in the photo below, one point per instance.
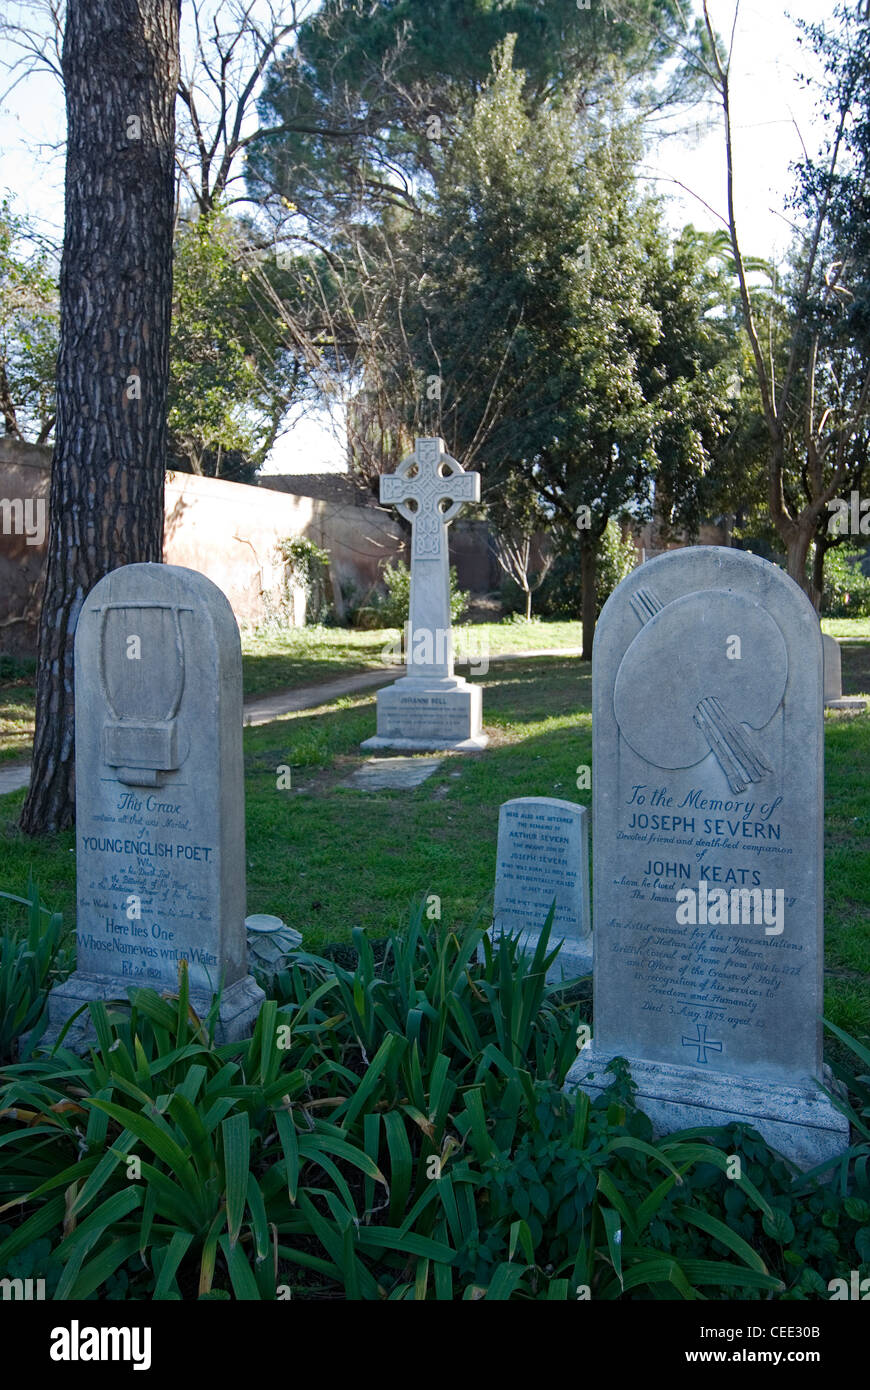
(707, 850)
(160, 798)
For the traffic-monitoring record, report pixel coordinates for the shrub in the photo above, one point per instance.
(561, 592)
(392, 1131)
(306, 567)
(847, 587)
(28, 958)
(14, 668)
(395, 608)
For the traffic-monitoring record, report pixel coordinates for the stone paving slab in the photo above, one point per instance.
(392, 774)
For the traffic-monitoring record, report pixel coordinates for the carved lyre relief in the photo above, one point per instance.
(142, 673)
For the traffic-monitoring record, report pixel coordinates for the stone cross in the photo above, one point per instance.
(428, 489)
(702, 1043)
(428, 478)
(429, 707)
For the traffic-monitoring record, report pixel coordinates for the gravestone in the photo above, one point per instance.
(429, 708)
(160, 804)
(543, 857)
(833, 665)
(707, 850)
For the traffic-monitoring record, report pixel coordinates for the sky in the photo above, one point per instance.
(773, 113)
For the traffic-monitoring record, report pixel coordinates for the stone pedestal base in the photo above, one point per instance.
(423, 715)
(800, 1122)
(574, 958)
(239, 1007)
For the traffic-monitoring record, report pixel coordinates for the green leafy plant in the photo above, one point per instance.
(395, 1129)
(561, 591)
(28, 958)
(847, 587)
(394, 609)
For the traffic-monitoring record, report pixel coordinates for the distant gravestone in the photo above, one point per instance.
(707, 850)
(543, 858)
(833, 664)
(160, 805)
(429, 708)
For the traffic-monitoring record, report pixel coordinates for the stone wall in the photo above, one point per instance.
(226, 531)
(361, 536)
(229, 532)
(24, 477)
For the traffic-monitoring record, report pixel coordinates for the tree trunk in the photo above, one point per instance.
(820, 551)
(588, 576)
(798, 542)
(120, 67)
(528, 605)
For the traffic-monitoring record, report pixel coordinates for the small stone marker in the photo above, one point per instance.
(833, 663)
(543, 856)
(160, 800)
(271, 944)
(429, 708)
(707, 815)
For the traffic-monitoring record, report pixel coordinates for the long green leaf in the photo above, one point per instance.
(161, 1143)
(236, 1133)
(174, 1254)
(714, 1227)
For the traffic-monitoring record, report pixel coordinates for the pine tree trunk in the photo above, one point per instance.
(120, 67)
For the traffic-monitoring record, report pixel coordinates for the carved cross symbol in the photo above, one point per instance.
(429, 478)
(701, 1043)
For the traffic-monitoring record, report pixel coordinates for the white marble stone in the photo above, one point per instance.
(542, 858)
(160, 799)
(833, 662)
(392, 774)
(429, 708)
(708, 778)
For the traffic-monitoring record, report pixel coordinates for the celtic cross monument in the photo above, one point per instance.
(429, 707)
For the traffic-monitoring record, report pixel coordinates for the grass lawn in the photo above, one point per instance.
(285, 658)
(278, 658)
(328, 858)
(17, 701)
(847, 629)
